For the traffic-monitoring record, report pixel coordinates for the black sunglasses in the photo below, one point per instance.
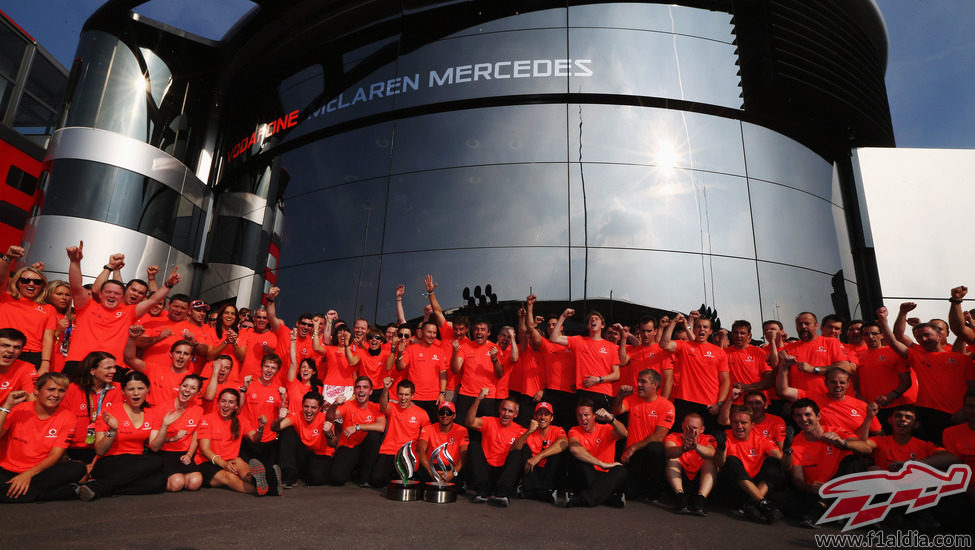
(375, 337)
(445, 413)
(404, 335)
(30, 281)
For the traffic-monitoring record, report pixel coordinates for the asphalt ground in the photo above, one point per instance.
(350, 517)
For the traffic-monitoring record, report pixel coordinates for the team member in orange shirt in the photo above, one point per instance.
(648, 355)
(509, 356)
(103, 324)
(882, 375)
(747, 364)
(701, 368)
(218, 381)
(837, 407)
(163, 331)
(650, 417)
(594, 476)
(496, 460)
(362, 434)
(425, 364)
(263, 401)
(33, 438)
(855, 343)
(22, 306)
(960, 441)
(59, 297)
(767, 425)
(892, 451)
(597, 359)
(253, 345)
(315, 446)
(750, 467)
(526, 382)
(218, 452)
(690, 460)
(221, 339)
(448, 432)
(819, 453)
(301, 380)
(120, 440)
(174, 438)
(165, 380)
(450, 331)
(480, 364)
(544, 459)
(14, 373)
(404, 420)
(373, 358)
(340, 363)
(943, 376)
(559, 366)
(93, 391)
(811, 356)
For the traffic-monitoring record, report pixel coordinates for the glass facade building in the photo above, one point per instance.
(660, 155)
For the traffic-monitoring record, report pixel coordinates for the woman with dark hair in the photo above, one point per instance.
(122, 468)
(174, 439)
(222, 340)
(218, 450)
(22, 307)
(92, 391)
(218, 381)
(59, 297)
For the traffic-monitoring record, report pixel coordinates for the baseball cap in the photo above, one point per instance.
(545, 406)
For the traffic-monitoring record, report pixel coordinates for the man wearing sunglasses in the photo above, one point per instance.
(445, 430)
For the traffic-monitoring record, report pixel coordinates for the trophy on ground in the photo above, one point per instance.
(405, 489)
(439, 490)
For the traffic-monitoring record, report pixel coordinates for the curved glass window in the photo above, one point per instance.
(788, 291)
(773, 157)
(110, 194)
(714, 25)
(353, 156)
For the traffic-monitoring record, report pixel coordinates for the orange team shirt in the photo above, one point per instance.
(642, 358)
(374, 366)
(771, 427)
(528, 374)
(21, 375)
(312, 434)
(848, 412)
(818, 352)
(942, 378)
(188, 422)
(699, 365)
(131, 438)
(853, 352)
(351, 414)
(538, 441)
(507, 365)
(217, 430)
(29, 439)
(210, 405)
(747, 366)
(455, 438)
(28, 317)
(205, 367)
(960, 441)
(164, 385)
(296, 394)
(258, 400)
(601, 443)
(751, 451)
(254, 343)
(423, 367)
(645, 417)
(157, 355)
(819, 460)
(402, 425)
(560, 366)
(878, 371)
(447, 337)
(594, 358)
(81, 408)
(888, 450)
(97, 328)
(338, 371)
(58, 358)
(496, 440)
(478, 370)
(691, 461)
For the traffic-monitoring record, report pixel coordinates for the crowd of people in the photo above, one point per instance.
(118, 388)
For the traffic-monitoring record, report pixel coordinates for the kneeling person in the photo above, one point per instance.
(750, 466)
(545, 462)
(690, 459)
(497, 461)
(595, 476)
(316, 441)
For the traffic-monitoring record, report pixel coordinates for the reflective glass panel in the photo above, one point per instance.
(665, 280)
(501, 205)
(787, 291)
(352, 156)
(527, 20)
(715, 25)
(734, 291)
(347, 286)
(774, 157)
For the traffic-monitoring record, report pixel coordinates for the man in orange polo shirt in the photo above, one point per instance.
(544, 457)
(597, 359)
(747, 364)
(595, 477)
(314, 447)
(960, 441)
(444, 432)
(650, 418)
(648, 355)
(480, 364)
(702, 369)
(690, 460)
(362, 433)
(811, 356)
(496, 460)
(404, 420)
(882, 375)
(34, 436)
(838, 408)
(425, 364)
(14, 374)
(558, 364)
(750, 467)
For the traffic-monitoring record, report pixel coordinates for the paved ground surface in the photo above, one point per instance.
(328, 517)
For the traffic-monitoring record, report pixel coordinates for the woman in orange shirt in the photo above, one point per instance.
(59, 297)
(92, 392)
(174, 438)
(218, 452)
(22, 307)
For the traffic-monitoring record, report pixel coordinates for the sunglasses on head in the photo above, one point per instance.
(30, 281)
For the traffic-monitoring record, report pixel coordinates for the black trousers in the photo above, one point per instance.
(127, 475)
(488, 480)
(53, 483)
(267, 454)
(733, 471)
(430, 407)
(564, 404)
(357, 461)
(646, 471)
(289, 445)
(541, 481)
(600, 400)
(933, 423)
(526, 407)
(313, 468)
(595, 486)
(801, 504)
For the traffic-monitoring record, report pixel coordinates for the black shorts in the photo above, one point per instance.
(208, 470)
(172, 464)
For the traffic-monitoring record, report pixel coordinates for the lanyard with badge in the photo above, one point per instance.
(93, 413)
